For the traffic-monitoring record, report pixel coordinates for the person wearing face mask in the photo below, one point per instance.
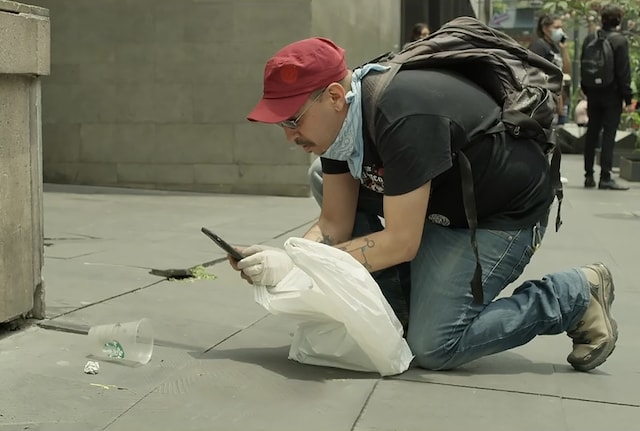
(606, 101)
(405, 168)
(551, 45)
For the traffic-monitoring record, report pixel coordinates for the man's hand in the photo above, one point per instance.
(629, 108)
(234, 264)
(264, 266)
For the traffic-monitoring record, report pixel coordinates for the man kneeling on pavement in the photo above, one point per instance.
(406, 174)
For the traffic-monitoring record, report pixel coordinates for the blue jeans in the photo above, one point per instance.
(446, 328)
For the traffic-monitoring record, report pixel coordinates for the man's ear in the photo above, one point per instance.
(337, 95)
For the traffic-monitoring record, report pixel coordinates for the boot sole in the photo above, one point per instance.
(602, 352)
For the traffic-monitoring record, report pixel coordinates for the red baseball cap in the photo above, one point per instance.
(293, 73)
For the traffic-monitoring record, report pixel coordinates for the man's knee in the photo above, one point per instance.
(429, 354)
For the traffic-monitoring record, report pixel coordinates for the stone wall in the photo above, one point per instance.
(154, 93)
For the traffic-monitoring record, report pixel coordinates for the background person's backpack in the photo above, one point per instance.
(523, 83)
(597, 62)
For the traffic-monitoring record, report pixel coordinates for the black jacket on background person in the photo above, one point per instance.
(622, 69)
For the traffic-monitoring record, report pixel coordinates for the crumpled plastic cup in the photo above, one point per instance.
(129, 342)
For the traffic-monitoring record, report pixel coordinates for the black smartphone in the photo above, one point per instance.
(564, 39)
(223, 244)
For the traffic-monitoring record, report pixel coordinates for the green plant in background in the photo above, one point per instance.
(630, 120)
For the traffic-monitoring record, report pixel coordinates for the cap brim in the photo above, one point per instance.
(276, 110)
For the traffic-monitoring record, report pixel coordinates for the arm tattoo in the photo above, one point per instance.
(368, 244)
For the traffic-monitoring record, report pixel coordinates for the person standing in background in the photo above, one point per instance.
(606, 99)
(551, 45)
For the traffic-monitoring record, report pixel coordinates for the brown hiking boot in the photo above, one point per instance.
(595, 335)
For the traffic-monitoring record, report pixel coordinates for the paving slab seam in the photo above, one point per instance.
(106, 299)
(236, 332)
(78, 237)
(130, 407)
(73, 257)
(512, 391)
(364, 405)
(280, 235)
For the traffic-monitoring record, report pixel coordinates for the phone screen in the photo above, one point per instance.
(223, 244)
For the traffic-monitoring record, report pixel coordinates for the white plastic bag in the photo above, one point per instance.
(346, 321)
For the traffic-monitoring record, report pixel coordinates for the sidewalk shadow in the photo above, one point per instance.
(275, 359)
(503, 363)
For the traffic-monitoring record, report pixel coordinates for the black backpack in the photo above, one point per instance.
(597, 62)
(523, 83)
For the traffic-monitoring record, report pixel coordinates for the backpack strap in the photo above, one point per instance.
(469, 200)
(469, 203)
(556, 183)
(373, 85)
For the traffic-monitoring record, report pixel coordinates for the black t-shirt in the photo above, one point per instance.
(423, 117)
(548, 51)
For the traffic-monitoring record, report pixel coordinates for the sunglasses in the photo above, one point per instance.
(295, 123)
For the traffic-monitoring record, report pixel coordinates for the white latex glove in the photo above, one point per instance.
(266, 266)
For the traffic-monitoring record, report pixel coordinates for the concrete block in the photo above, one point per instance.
(571, 138)
(60, 172)
(121, 73)
(223, 103)
(43, 46)
(75, 103)
(208, 22)
(117, 142)
(15, 7)
(17, 256)
(273, 174)
(618, 154)
(258, 51)
(294, 190)
(174, 52)
(297, 26)
(80, 173)
(157, 174)
(171, 103)
(24, 44)
(208, 72)
(630, 167)
(103, 174)
(174, 73)
(117, 103)
(131, 53)
(193, 143)
(61, 142)
(63, 74)
(170, 22)
(263, 144)
(216, 174)
(127, 22)
(350, 25)
(67, 47)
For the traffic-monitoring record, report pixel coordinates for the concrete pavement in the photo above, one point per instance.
(220, 360)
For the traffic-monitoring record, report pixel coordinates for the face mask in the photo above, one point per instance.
(349, 144)
(557, 35)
